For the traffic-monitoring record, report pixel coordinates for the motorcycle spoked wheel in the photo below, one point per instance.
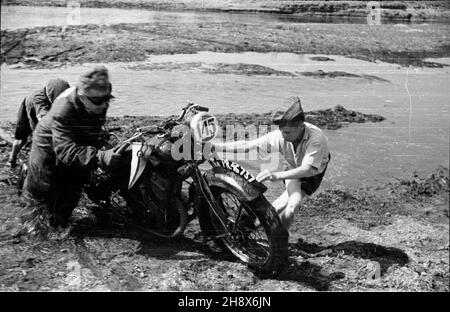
(263, 248)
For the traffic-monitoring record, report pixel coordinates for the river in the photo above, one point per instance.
(13, 17)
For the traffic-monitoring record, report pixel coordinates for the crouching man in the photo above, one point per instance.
(305, 150)
(31, 110)
(64, 150)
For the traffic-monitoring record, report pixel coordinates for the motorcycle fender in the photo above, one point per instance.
(238, 185)
(140, 155)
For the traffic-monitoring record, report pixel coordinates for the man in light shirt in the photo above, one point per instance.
(305, 150)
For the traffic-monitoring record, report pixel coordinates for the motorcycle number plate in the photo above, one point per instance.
(236, 168)
(204, 127)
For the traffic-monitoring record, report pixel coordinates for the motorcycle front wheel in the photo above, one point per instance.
(251, 231)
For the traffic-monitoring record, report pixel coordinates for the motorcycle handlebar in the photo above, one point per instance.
(201, 108)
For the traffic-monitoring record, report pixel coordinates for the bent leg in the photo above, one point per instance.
(280, 203)
(295, 198)
(63, 203)
(17, 145)
(22, 131)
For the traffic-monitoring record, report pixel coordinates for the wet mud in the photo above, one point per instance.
(56, 46)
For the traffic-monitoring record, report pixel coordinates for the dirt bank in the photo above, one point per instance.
(393, 238)
(399, 10)
(55, 46)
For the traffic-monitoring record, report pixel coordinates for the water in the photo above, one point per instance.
(415, 135)
(13, 17)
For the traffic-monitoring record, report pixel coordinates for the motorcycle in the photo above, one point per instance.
(160, 192)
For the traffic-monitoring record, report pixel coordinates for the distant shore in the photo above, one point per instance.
(407, 10)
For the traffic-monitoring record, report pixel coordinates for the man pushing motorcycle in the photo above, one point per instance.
(66, 147)
(305, 150)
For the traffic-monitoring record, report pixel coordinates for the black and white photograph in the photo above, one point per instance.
(224, 151)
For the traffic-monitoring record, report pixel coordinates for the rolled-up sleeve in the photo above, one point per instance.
(316, 154)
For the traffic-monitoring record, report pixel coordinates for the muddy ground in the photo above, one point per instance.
(338, 241)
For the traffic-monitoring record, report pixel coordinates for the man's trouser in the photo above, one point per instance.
(57, 200)
(310, 184)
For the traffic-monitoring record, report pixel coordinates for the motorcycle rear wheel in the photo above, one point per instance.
(263, 247)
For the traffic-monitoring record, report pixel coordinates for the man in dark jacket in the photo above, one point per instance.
(65, 148)
(31, 110)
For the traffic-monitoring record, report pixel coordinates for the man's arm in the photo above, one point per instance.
(67, 150)
(263, 142)
(41, 105)
(303, 171)
(234, 147)
(311, 165)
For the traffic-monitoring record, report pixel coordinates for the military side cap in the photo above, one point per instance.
(290, 111)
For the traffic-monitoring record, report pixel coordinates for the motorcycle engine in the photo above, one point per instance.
(165, 150)
(161, 186)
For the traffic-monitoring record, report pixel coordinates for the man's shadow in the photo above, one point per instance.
(385, 256)
(310, 274)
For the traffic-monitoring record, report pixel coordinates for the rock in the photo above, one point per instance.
(321, 59)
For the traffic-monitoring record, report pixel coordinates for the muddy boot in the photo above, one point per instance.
(35, 224)
(61, 232)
